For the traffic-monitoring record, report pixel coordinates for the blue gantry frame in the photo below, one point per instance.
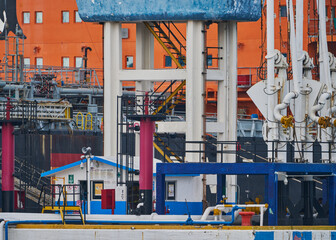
(270, 171)
(172, 10)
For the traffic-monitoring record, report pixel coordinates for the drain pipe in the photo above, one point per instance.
(287, 121)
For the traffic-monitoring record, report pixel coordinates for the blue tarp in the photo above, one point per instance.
(168, 10)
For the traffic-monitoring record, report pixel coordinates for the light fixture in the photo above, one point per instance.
(81, 165)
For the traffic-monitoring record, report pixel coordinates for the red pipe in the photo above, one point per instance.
(146, 154)
(8, 167)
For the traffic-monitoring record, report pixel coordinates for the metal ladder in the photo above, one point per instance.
(165, 40)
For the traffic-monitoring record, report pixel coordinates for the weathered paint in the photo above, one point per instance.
(153, 10)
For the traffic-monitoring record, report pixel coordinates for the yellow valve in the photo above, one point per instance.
(217, 212)
(324, 122)
(224, 199)
(287, 121)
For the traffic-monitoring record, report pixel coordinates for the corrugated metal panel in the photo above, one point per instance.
(172, 10)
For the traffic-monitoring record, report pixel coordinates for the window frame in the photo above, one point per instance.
(76, 62)
(24, 64)
(36, 62)
(95, 195)
(36, 17)
(63, 58)
(165, 61)
(77, 17)
(281, 10)
(23, 17)
(62, 15)
(126, 65)
(170, 196)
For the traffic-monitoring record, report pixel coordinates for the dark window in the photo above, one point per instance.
(209, 60)
(168, 61)
(283, 11)
(181, 61)
(129, 61)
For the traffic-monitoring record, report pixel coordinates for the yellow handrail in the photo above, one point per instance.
(90, 121)
(82, 120)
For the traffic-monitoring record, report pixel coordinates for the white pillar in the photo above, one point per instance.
(144, 60)
(227, 97)
(194, 87)
(112, 84)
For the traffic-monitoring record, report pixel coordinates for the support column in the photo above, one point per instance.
(7, 167)
(160, 193)
(227, 96)
(194, 87)
(146, 163)
(144, 60)
(112, 84)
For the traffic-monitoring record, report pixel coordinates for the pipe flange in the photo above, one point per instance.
(325, 122)
(287, 121)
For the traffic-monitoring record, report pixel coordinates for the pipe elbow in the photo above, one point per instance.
(322, 101)
(277, 111)
(286, 101)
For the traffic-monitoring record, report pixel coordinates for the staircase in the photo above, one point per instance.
(69, 210)
(166, 37)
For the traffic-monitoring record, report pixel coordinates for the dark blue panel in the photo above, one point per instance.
(302, 235)
(180, 208)
(264, 236)
(333, 236)
(163, 10)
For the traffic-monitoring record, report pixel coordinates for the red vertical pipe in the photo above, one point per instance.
(8, 166)
(146, 154)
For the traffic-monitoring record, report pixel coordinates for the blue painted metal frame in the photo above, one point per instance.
(267, 169)
(172, 10)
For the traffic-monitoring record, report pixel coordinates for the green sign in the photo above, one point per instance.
(71, 179)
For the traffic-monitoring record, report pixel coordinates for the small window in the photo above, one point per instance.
(26, 17)
(39, 17)
(39, 62)
(209, 60)
(129, 61)
(170, 191)
(65, 17)
(168, 61)
(326, 9)
(181, 61)
(97, 187)
(78, 62)
(77, 17)
(332, 12)
(65, 62)
(283, 11)
(26, 62)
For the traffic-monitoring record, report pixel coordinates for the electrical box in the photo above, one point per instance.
(108, 199)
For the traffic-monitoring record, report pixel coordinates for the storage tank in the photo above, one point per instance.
(168, 10)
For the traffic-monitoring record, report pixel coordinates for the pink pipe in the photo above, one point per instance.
(146, 154)
(7, 157)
